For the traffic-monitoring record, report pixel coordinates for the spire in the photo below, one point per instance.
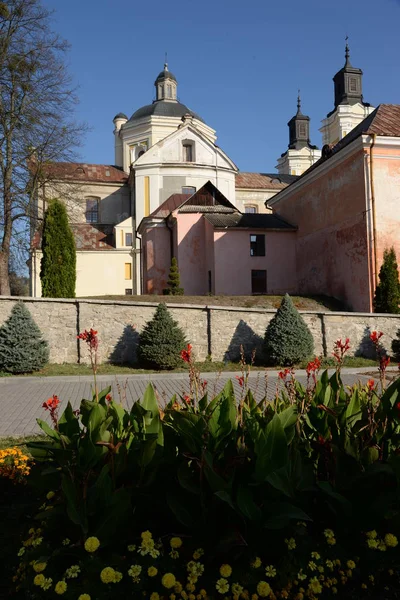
(347, 53)
(166, 62)
(298, 103)
(166, 84)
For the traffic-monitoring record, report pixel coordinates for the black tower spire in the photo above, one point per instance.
(348, 82)
(299, 129)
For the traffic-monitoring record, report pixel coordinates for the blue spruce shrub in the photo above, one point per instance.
(287, 338)
(22, 347)
(161, 341)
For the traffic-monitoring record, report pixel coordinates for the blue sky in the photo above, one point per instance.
(238, 63)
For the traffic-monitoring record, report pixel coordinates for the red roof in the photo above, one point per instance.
(87, 172)
(263, 181)
(170, 204)
(87, 237)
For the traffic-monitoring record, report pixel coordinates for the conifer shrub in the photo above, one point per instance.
(174, 281)
(22, 347)
(287, 338)
(387, 293)
(58, 265)
(396, 347)
(161, 341)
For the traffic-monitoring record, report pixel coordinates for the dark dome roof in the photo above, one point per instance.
(120, 116)
(162, 108)
(165, 74)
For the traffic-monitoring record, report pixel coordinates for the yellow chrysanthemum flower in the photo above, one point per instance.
(152, 571)
(175, 542)
(372, 543)
(107, 575)
(92, 544)
(50, 495)
(46, 585)
(237, 589)
(84, 597)
(39, 579)
(263, 589)
(72, 572)
(146, 535)
(391, 540)
(371, 534)
(256, 564)
(270, 571)
(38, 567)
(222, 586)
(291, 543)
(351, 564)
(154, 596)
(225, 570)
(168, 580)
(315, 586)
(60, 588)
(135, 570)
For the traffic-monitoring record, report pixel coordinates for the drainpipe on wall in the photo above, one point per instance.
(371, 163)
(171, 235)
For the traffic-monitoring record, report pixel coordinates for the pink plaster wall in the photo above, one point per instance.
(210, 254)
(386, 165)
(233, 263)
(156, 244)
(191, 253)
(332, 250)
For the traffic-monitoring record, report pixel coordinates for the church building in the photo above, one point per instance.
(317, 226)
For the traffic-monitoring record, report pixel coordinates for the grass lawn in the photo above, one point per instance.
(300, 302)
(67, 369)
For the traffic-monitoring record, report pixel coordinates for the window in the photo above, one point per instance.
(258, 282)
(257, 245)
(209, 282)
(128, 271)
(188, 189)
(128, 239)
(169, 91)
(92, 210)
(302, 130)
(353, 84)
(128, 292)
(250, 209)
(187, 152)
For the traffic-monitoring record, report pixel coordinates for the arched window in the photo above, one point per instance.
(250, 208)
(92, 210)
(169, 91)
(188, 151)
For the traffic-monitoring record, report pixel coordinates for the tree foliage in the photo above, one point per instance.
(174, 281)
(287, 337)
(161, 341)
(58, 266)
(36, 104)
(22, 347)
(387, 293)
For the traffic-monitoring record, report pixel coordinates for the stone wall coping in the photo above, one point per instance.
(204, 307)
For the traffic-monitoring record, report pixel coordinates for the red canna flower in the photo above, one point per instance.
(186, 354)
(90, 337)
(398, 408)
(313, 366)
(240, 380)
(340, 348)
(109, 398)
(186, 398)
(52, 405)
(375, 336)
(204, 385)
(371, 384)
(384, 362)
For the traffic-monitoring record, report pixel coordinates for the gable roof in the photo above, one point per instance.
(207, 197)
(86, 172)
(169, 205)
(263, 181)
(249, 221)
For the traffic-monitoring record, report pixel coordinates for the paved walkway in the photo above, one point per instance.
(21, 398)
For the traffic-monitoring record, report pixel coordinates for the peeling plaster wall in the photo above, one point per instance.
(332, 254)
(210, 329)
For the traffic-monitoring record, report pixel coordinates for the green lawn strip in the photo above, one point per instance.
(301, 302)
(68, 369)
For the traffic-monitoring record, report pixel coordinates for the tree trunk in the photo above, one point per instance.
(4, 278)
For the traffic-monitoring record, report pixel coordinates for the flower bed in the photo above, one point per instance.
(220, 497)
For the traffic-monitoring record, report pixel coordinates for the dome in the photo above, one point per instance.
(120, 116)
(164, 109)
(165, 74)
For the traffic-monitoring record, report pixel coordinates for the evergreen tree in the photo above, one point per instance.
(58, 266)
(387, 293)
(161, 341)
(287, 337)
(174, 281)
(22, 347)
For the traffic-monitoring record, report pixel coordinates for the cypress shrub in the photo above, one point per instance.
(387, 293)
(174, 281)
(22, 347)
(287, 338)
(396, 347)
(161, 341)
(58, 265)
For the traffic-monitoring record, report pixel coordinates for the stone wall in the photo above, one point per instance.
(212, 330)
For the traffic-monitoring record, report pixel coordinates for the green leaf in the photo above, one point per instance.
(180, 509)
(52, 433)
(147, 451)
(68, 424)
(115, 514)
(272, 453)
(281, 514)
(72, 500)
(246, 504)
(188, 479)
